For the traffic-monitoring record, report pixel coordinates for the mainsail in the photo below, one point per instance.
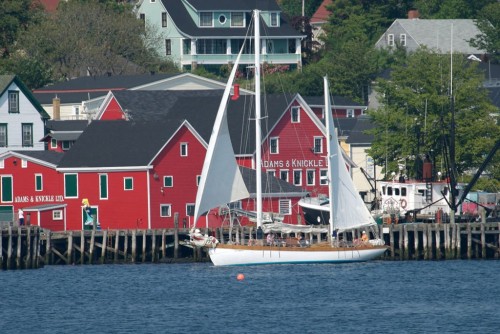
(220, 163)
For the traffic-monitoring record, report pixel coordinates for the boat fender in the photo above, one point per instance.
(403, 203)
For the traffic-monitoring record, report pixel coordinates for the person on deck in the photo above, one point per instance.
(20, 214)
(260, 236)
(364, 237)
(270, 239)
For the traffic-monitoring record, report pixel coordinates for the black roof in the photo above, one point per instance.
(85, 88)
(184, 22)
(70, 125)
(51, 157)
(118, 144)
(200, 108)
(270, 184)
(336, 101)
(358, 134)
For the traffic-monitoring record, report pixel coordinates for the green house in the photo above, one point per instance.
(211, 32)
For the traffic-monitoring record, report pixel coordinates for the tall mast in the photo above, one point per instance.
(329, 128)
(258, 134)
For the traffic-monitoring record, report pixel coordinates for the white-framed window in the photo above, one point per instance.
(295, 114)
(3, 135)
(206, 19)
(222, 19)
(168, 181)
(190, 209)
(164, 19)
(349, 113)
(66, 144)
(57, 215)
(128, 183)
(38, 182)
(76, 110)
(168, 47)
(297, 177)
(71, 185)
(274, 19)
(184, 149)
(271, 172)
(402, 39)
(27, 134)
(285, 206)
(274, 145)
(165, 210)
(13, 101)
(318, 145)
(323, 177)
(53, 143)
(284, 174)
(237, 19)
(24, 163)
(311, 177)
(390, 39)
(2, 163)
(103, 186)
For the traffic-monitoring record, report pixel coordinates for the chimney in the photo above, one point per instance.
(413, 14)
(56, 108)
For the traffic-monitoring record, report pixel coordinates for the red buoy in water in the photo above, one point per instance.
(240, 277)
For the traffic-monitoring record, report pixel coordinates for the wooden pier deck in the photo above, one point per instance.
(27, 247)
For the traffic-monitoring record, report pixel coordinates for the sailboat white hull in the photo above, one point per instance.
(227, 255)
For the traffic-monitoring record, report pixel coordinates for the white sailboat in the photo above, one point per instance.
(221, 183)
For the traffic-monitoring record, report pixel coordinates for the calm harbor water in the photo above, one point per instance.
(375, 297)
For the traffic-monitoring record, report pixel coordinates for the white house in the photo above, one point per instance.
(22, 118)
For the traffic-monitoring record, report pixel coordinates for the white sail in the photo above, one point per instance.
(349, 210)
(221, 181)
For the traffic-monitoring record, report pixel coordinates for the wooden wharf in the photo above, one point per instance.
(30, 247)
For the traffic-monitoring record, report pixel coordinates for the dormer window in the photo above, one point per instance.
(274, 19)
(206, 19)
(237, 19)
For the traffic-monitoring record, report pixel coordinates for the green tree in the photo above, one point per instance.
(294, 7)
(415, 117)
(87, 37)
(489, 24)
(15, 17)
(450, 9)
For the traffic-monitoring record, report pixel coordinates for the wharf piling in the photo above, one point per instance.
(31, 247)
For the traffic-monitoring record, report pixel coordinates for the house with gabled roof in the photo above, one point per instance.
(81, 98)
(211, 32)
(138, 174)
(29, 181)
(437, 34)
(22, 118)
(61, 135)
(318, 20)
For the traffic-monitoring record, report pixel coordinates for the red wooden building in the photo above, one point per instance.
(140, 163)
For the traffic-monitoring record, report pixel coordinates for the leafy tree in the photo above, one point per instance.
(415, 118)
(32, 72)
(15, 17)
(489, 24)
(294, 7)
(450, 9)
(87, 37)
